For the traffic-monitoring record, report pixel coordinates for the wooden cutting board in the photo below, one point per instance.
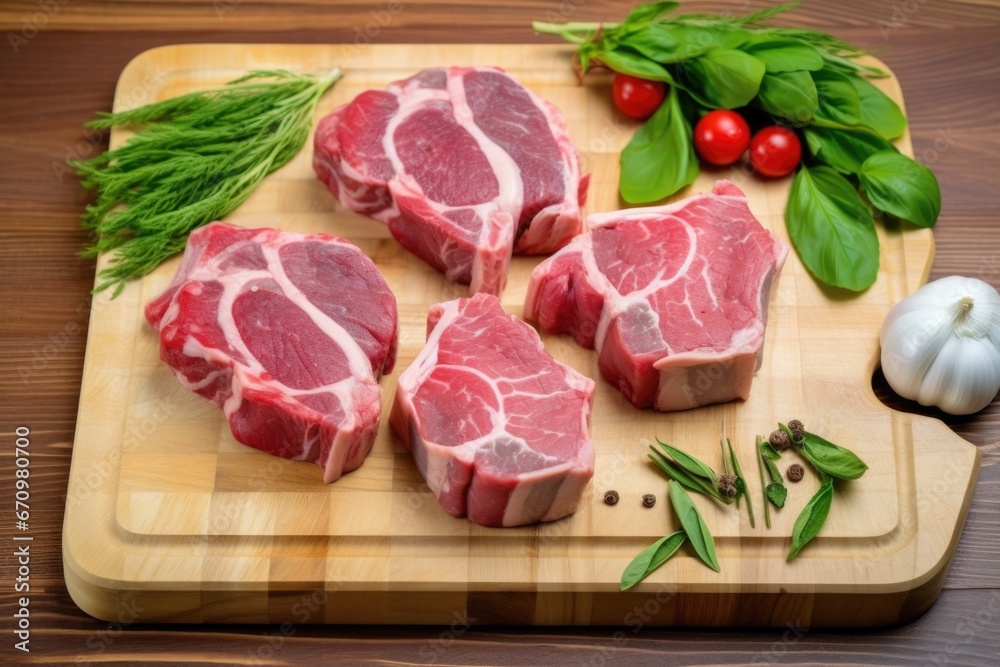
(168, 518)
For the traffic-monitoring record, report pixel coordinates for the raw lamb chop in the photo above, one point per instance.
(497, 427)
(289, 333)
(673, 298)
(463, 164)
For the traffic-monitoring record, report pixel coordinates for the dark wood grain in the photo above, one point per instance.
(943, 52)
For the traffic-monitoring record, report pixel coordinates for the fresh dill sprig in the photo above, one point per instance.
(194, 159)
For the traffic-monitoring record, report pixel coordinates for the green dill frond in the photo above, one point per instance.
(194, 159)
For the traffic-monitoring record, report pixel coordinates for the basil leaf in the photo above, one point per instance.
(626, 61)
(660, 159)
(725, 78)
(652, 557)
(741, 484)
(651, 12)
(657, 42)
(900, 185)
(692, 42)
(693, 525)
(692, 464)
(768, 455)
(878, 111)
(776, 493)
(844, 150)
(812, 518)
(839, 101)
(761, 461)
(668, 43)
(732, 37)
(834, 460)
(832, 229)
(783, 55)
(685, 479)
(790, 95)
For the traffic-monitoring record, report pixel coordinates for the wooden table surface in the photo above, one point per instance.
(59, 64)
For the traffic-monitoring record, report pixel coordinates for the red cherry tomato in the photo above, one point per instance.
(721, 137)
(775, 151)
(637, 98)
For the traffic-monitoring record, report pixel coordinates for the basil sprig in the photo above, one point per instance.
(693, 529)
(692, 464)
(687, 470)
(834, 460)
(775, 492)
(733, 468)
(650, 558)
(812, 518)
(831, 462)
(802, 78)
(694, 526)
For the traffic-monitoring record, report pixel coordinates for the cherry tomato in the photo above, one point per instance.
(637, 98)
(721, 137)
(775, 151)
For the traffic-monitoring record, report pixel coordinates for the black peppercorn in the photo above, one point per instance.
(779, 440)
(648, 500)
(727, 485)
(795, 472)
(611, 497)
(798, 430)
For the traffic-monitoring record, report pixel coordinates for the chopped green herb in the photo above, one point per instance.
(195, 159)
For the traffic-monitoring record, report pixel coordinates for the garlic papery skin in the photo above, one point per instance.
(941, 345)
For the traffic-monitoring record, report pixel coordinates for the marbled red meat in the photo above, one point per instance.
(463, 164)
(289, 333)
(497, 427)
(673, 298)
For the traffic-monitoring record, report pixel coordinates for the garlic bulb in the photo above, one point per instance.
(941, 345)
